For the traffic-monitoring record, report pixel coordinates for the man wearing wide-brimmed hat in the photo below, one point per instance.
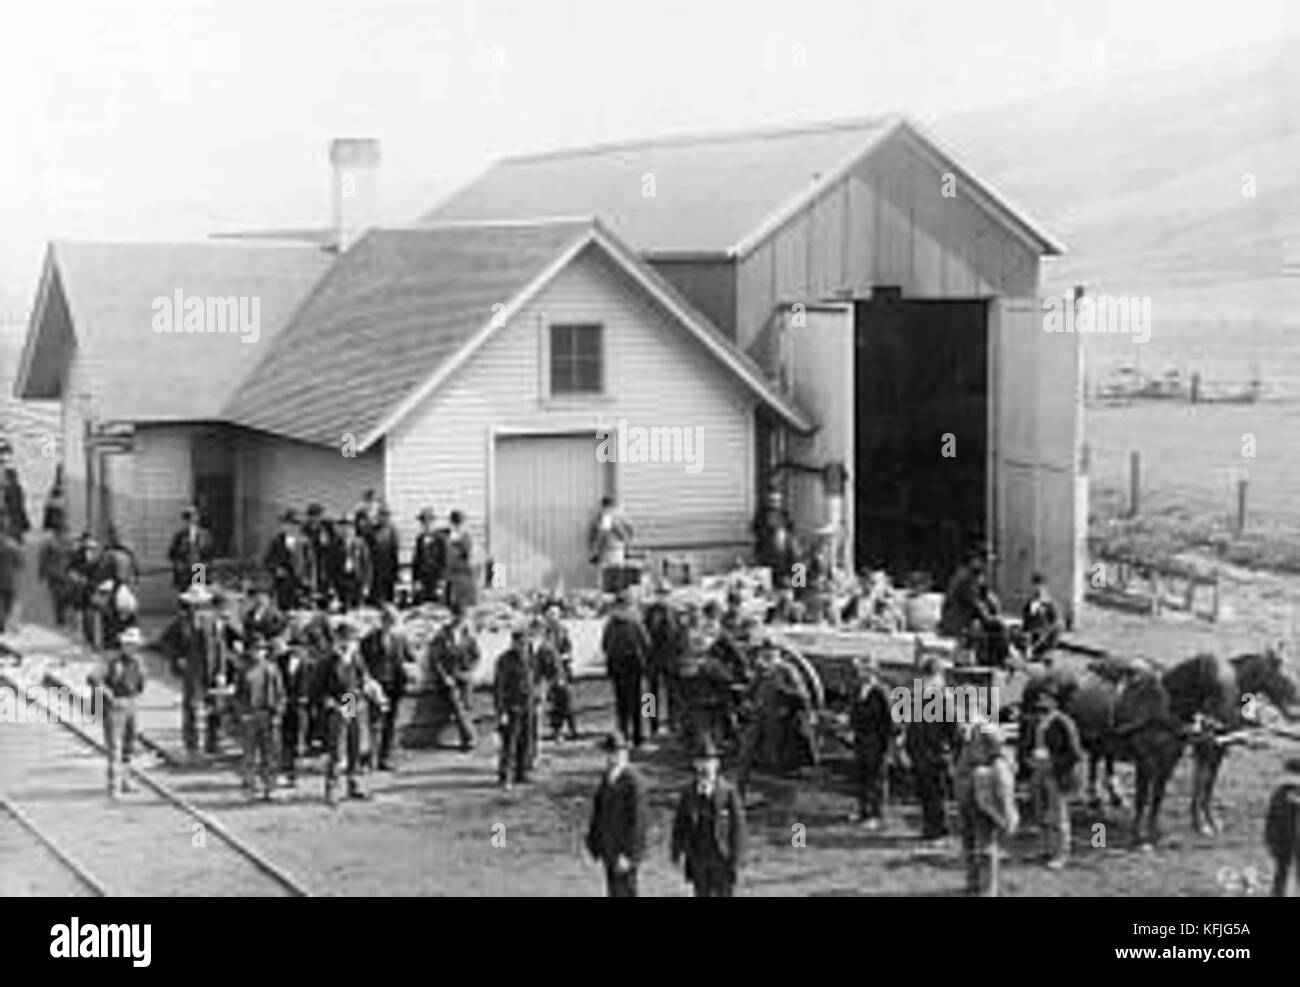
(288, 562)
(709, 827)
(120, 683)
(347, 688)
(198, 662)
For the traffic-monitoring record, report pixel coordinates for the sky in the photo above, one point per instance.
(172, 119)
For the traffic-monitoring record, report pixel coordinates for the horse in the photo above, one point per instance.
(1282, 834)
(1129, 712)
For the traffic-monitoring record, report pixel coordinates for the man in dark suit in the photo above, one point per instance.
(626, 647)
(873, 729)
(13, 501)
(384, 550)
(322, 548)
(513, 690)
(709, 828)
(191, 546)
(353, 569)
(289, 563)
(429, 559)
(385, 654)
(617, 834)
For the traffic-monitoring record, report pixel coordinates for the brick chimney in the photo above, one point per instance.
(355, 188)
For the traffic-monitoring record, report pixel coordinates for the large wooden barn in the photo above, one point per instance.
(896, 296)
(841, 294)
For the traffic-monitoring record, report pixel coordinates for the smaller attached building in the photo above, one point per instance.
(519, 371)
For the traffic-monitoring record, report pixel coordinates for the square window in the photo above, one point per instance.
(577, 359)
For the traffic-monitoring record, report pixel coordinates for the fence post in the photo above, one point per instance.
(1134, 483)
(1241, 505)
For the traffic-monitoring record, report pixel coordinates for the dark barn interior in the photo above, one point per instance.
(921, 371)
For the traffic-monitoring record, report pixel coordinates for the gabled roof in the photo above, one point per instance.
(99, 299)
(404, 308)
(719, 194)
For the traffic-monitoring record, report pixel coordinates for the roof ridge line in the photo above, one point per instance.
(588, 219)
(709, 137)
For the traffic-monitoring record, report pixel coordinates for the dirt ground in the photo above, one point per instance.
(430, 829)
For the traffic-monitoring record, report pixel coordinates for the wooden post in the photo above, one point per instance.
(1241, 505)
(1134, 483)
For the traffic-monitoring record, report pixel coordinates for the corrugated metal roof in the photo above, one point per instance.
(143, 375)
(396, 307)
(710, 191)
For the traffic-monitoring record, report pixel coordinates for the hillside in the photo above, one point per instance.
(1143, 178)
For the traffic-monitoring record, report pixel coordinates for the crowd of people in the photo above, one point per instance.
(287, 666)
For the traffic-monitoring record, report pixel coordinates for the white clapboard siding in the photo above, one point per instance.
(656, 376)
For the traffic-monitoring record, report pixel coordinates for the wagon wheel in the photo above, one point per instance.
(809, 675)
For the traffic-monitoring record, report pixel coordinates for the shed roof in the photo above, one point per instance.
(404, 308)
(703, 194)
(99, 298)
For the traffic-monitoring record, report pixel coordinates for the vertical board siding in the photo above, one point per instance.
(885, 223)
(285, 473)
(544, 486)
(656, 376)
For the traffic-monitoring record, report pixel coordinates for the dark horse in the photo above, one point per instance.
(1129, 712)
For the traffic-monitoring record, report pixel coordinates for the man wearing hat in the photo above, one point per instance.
(451, 658)
(873, 731)
(928, 744)
(260, 695)
(385, 654)
(322, 554)
(13, 501)
(197, 662)
(626, 646)
(616, 835)
(1282, 827)
(667, 639)
(514, 695)
(461, 589)
(354, 569)
(429, 558)
(191, 546)
(986, 798)
(347, 687)
(1056, 756)
(120, 684)
(709, 828)
(288, 562)
(384, 558)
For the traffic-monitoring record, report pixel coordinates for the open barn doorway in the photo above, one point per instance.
(921, 433)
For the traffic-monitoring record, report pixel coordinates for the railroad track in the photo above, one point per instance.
(61, 834)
